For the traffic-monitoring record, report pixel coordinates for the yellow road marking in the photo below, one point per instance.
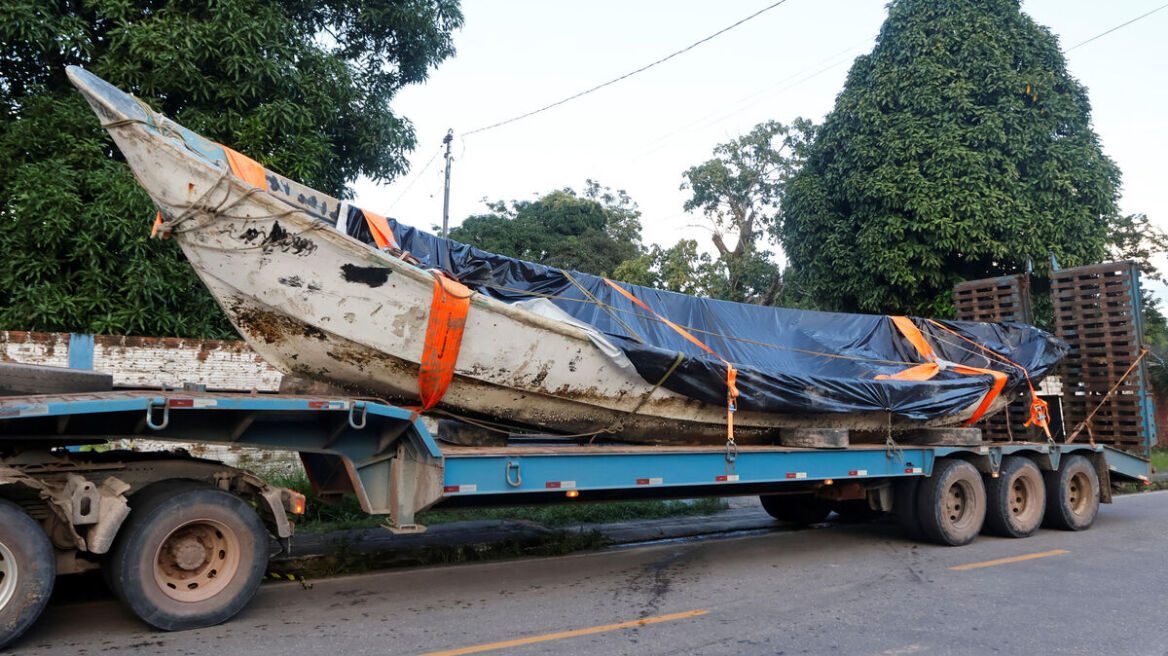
(1011, 559)
(568, 634)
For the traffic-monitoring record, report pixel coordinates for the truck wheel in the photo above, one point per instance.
(952, 503)
(1072, 495)
(1016, 499)
(28, 568)
(904, 506)
(189, 556)
(802, 509)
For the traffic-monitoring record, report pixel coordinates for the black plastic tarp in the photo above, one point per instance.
(788, 361)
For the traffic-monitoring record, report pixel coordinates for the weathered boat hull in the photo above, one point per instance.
(318, 304)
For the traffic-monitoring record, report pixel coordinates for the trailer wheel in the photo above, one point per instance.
(28, 568)
(952, 503)
(802, 509)
(1016, 499)
(1072, 495)
(189, 556)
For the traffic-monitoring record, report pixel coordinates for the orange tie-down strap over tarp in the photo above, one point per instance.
(731, 372)
(443, 338)
(931, 368)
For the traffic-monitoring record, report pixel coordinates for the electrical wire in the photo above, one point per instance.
(626, 75)
(416, 178)
(1121, 25)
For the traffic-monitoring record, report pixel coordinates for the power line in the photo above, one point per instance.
(1103, 34)
(626, 75)
(418, 175)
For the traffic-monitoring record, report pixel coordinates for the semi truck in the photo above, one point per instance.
(184, 542)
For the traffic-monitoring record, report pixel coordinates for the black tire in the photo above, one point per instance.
(855, 511)
(801, 509)
(1016, 499)
(28, 569)
(179, 537)
(952, 503)
(904, 506)
(1072, 495)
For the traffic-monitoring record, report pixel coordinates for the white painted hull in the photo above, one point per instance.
(318, 304)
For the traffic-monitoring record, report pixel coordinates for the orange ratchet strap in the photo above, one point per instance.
(379, 228)
(931, 368)
(731, 372)
(443, 338)
(1039, 409)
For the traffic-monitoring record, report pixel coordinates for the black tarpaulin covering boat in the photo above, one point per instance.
(787, 361)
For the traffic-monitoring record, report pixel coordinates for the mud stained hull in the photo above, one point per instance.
(319, 304)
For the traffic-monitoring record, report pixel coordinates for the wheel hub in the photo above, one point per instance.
(197, 560)
(8, 575)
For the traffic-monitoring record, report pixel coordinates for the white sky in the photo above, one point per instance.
(640, 134)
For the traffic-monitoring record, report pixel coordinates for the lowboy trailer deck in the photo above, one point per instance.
(184, 542)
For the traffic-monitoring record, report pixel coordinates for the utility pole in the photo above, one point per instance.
(446, 194)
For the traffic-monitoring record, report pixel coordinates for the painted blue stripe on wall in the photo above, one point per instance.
(80, 351)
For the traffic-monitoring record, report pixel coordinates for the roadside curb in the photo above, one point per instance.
(486, 539)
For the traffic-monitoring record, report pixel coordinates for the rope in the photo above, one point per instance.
(606, 307)
(1106, 397)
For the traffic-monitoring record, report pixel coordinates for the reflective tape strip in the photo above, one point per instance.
(560, 485)
(728, 478)
(328, 405)
(453, 489)
(796, 474)
(649, 481)
(914, 470)
(192, 403)
(858, 472)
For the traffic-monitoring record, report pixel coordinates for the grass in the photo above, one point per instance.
(322, 516)
(1160, 458)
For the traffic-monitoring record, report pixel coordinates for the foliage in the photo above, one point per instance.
(958, 148)
(593, 233)
(739, 192)
(302, 87)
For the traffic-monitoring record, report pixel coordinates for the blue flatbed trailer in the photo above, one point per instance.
(387, 457)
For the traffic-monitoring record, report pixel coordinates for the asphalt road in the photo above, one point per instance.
(838, 589)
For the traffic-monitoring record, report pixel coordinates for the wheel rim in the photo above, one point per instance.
(1079, 493)
(1024, 495)
(8, 575)
(197, 560)
(959, 504)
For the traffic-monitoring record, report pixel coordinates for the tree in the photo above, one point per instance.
(739, 192)
(958, 148)
(302, 87)
(593, 233)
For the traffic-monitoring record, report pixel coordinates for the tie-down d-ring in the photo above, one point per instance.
(513, 466)
(158, 403)
(358, 405)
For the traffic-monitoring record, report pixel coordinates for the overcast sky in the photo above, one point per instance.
(640, 134)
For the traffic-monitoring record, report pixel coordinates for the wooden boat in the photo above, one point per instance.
(319, 304)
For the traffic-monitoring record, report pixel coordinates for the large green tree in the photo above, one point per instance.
(739, 193)
(304, 87)
(594, 232)
(958, 148)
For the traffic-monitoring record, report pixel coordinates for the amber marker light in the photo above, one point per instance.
(572, 494)
(829, 482)
(294, 502)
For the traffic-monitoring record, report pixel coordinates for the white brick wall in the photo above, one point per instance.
(152, 362)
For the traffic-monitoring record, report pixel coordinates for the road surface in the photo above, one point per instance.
(836, 589)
